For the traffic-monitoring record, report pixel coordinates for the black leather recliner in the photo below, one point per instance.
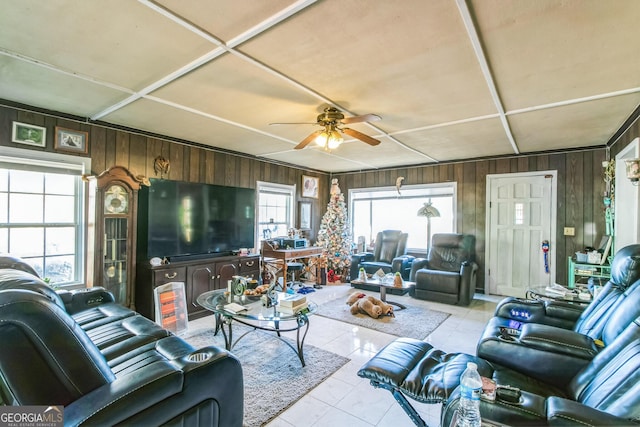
(107, 365)
(449, 273)
(604, 392)
(389, 255)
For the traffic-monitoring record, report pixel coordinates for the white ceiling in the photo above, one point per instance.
(451, 79)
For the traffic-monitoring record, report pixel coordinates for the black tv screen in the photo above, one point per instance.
(187, 219)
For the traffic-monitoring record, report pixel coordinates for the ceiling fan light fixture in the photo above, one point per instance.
(329, 139)
(330, 136)
(335, 139)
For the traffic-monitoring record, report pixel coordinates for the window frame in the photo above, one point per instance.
(47, 162)
(273, 188)
(437, 190)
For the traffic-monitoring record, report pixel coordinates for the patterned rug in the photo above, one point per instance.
(274, 379)
(413, 322)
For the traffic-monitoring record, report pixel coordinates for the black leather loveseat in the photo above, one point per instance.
(105, 364)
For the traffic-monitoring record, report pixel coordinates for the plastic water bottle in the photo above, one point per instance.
(470, 390)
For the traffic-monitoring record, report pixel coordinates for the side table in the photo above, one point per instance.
(541, 293)
(583, 269)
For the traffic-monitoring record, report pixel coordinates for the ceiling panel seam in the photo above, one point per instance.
(222, 48)
(472, 31)
(217, 118)
(57, 69)
(574, 101)
(230, 47)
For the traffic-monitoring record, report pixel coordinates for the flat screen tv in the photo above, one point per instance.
(184, 219)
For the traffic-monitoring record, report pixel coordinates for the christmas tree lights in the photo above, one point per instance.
(334, 236)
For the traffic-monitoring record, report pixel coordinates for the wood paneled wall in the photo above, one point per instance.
(580, 186)
(110, 147)
(625, 139)
(580, 191)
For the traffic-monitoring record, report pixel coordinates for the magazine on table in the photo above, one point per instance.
(235, 308)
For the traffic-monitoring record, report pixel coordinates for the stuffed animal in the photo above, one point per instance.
(361, 303)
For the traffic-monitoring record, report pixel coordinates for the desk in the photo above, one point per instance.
(286, 255)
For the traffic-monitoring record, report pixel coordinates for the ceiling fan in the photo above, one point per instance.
(332, 121)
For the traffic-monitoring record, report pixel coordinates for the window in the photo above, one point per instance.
(42, 212)
(275, 210)
(376, 209)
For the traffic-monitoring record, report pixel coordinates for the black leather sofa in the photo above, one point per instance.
(566, 336)
(603, 393)
(106, 364)
(576, 367)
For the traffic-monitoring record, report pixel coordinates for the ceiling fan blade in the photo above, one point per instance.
(363, 118)
(293, 123)
(361, 136)
(307, 140)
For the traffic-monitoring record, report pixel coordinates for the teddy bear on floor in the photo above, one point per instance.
(361, 303)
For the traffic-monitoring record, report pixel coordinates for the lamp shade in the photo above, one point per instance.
(429, 211)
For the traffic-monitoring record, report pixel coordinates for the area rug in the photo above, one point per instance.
(274, 378)
(413, 322)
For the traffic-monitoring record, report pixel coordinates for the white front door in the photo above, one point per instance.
(520, 218)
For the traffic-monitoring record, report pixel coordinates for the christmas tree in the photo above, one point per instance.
(334, 236)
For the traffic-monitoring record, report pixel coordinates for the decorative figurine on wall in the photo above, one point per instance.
(161, 166)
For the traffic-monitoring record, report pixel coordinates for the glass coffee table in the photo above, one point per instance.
(256, 316)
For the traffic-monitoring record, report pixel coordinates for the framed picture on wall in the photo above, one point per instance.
(310, 186)
(305, 215)
(23, 133)
(74, 141)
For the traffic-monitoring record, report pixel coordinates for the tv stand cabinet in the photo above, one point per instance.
(199, 276)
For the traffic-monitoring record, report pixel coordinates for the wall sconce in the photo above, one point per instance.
(633, 170)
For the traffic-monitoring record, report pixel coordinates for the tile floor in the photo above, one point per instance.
(344, 399)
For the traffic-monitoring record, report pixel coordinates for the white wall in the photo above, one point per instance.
(627, 201)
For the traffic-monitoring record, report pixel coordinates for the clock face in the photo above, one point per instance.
(116, 200)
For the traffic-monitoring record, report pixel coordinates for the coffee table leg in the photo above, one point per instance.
(303, 320)
(227, 339)
(383, 298)
(383, 293)
(218, 320)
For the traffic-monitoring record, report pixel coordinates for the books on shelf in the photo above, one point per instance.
(235, 308)
(293, 310)
(292, 300)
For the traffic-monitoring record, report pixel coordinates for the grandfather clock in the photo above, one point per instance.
(114, 243)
